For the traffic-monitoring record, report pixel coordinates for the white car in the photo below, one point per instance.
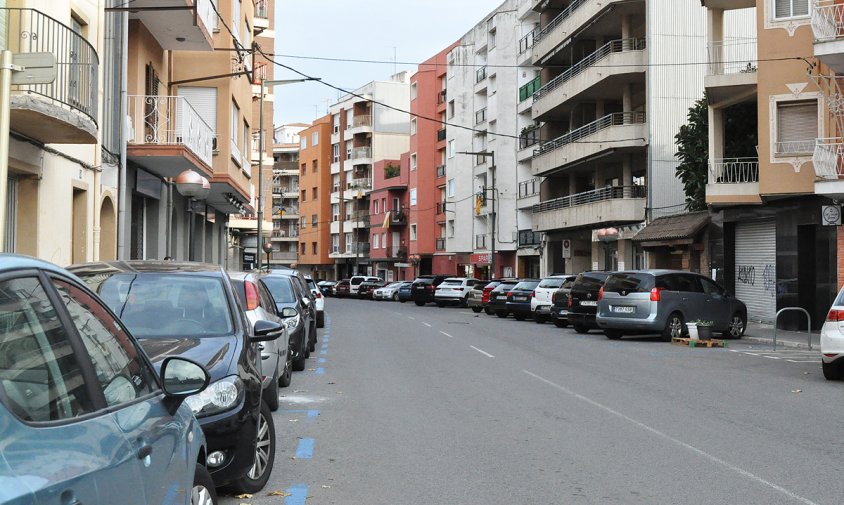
(543, 296)
(389, 292)
(354, 283)
(832, 340)
(320, 302)
(454, 291)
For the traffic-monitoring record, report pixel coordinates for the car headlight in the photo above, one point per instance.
(292, 322)
(218, 397)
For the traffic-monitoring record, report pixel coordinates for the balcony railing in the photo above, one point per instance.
(77, 65)
(527, 41)
(529, 89)
(614, 46)
(480, 116)
(733, 170)
(608, 121)
(206, 10)
(736, 56)
(827, 20)
(440, 245)
(529, 238)
(441, 171)
(259, 75)
(594, 196)
(262, 9)
(361, 152)
(480, 241)
(529, 187)
(565, 14)
(359, 121)
(480, 74)
(528, 137)
(828, 158)
(362, 184)
(398, 218)
(441, 135)
(794, 148)
(171, 120)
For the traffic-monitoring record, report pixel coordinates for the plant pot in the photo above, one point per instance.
(692, 330)
(704, 332)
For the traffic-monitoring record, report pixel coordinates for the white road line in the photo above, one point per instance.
(411, 317)
(426, 324)
(482, 352)
(446, 334)
(771, 357)
(801, 361)
(750, 353)
(469, 313)
(714, 459)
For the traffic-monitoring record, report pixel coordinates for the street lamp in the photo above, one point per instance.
(264, 84)
(192, 186)
(490, 154)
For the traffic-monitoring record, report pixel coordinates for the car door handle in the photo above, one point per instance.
(144, 451)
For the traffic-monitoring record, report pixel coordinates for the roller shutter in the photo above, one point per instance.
(756, 267)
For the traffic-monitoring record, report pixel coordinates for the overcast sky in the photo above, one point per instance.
(367, 30)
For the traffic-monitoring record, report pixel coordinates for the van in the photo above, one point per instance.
(354, 283)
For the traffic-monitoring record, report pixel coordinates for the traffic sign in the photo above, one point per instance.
(33, 68)
(566, 249)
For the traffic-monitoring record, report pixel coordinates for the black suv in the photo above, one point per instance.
(423, 288)
(287, 293)
(583, 300)
(308, 299)
(191, 310)
(498, 297)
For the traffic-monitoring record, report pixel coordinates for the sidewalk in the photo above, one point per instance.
(764, 333)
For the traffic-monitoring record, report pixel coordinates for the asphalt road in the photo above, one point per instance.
(420, 405)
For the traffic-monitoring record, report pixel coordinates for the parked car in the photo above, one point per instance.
(367, 288)
(406, 291)
(319, 302)
(343, 289)
(308, 299)
(327, 287)
(71, 375)
(662, 301)
(390, 291)
(498, 297)
(286, 294)
(453, 291)
(475, 300)
(423, 288)
(542, 301)
(191, 310)
(560, 303)
(355, 281)
(582, 301)
(832, 340)
(485, 296)
(519, 299)
(276, 358)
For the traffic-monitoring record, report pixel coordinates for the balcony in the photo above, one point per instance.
(398, 219)
(440, 244)
(610, 136)
(828, 160)
(441, 135)
(167, 136)
(480, 242)
(359, 154)
(733, 181)
(828, 28)
(731, 74)
(360, 124)
(529, 187)
(576, 15)
(175, 24)
(64, 111)
(441, 97)
(286, 257)
(529, 89)
(480, 75)
(529, 238)
(360, 184)
(528, 137)
(604, 206)
(526, 42)
(262, 15)
(353, 250)
(440, 171)
(597, 76)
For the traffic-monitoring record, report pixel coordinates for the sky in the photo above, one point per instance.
(412, 30)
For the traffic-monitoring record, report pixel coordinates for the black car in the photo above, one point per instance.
(560, 308)
(287, 293)
(498, 298)
(308, 298)
(518, 299)
(583, 300)
(343, 289)
(191, 310)
(423, 288)
(366, 288)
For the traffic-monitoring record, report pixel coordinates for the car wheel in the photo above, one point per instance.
(832, 371)
(519, 317)
(299, 364)
(287, 374)
(613, 334)
(738, 323)
(580, 328)
(559, 323)
(259, 474)
(402, 301)
(396, 297)
(203, 491)
(417, 302)
(538, 319)
(501, 313)
(465, 302)
(488, 311)
(673, 327)
(477, 309)
(271, 394)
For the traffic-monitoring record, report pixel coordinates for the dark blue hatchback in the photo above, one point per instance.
(405, 293)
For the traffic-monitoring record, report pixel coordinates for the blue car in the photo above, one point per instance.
(84, 416)
(405, 293)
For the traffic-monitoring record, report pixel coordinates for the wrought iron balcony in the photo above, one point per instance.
(361, 121)
(827, 20)
(480, 74)
(828, 158)
(734, 170)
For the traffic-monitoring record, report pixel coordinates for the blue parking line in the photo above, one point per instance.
(323, 352)
(319, 371)
(298, 493)
(305, 450)
(313, 413)
(321, 360)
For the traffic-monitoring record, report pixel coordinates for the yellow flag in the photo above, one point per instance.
(386, 221)
(478, 204)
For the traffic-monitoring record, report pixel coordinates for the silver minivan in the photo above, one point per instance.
(662, 301)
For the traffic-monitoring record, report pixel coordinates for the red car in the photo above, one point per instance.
(342, 289)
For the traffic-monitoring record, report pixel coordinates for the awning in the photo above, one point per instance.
(673, 230)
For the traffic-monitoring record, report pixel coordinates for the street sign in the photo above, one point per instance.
(35, 68)
(566, 249)
(480, 258)
(831, 215)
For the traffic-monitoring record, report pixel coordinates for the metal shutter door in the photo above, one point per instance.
(756, 267)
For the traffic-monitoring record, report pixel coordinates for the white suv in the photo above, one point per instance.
(832, 340)
(354, 283)
(453, 291)
(543, 296)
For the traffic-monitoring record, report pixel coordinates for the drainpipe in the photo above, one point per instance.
(168, 220)
(121, 178)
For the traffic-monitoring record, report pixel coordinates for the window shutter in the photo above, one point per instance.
(797, 122)
(204, 102)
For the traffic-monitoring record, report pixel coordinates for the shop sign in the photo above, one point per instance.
(481, 258)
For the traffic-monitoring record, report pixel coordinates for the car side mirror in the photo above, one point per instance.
(306, 301)
(182, 378)
(266, 330)
(288, 312)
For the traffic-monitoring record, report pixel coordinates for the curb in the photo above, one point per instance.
(780, 343)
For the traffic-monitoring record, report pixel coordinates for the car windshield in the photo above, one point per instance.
(424, 280)
(168, 305)
(629, 282)
(551, 283)
(527, 285)
(394, 285)
(311, 284)
(281, 288)
(592, 282)
(355, 282)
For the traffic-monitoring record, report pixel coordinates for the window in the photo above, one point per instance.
(314, 138)
(413, 232)
(304, 168)
(247, 167)
(414, 90)
(376, 241)
(315, 193)
(336, 122)
(450, 111)
(335, 153)
(413, 126)
(450, 230)
(314, 220)
(302, 247)
(335, 211)
(790, 8)
(797, 127)
(413, 197)
(449, 188)
(303, 143)
(313, 248)
(30, 327)
(234, 123)
(451, 148)
(122, 372)
(375, 209)
(315, 165)
(348, 241)
(413, 161)
(236, 19)
(395, 204)
(304, 194)
(491, 39)
(335, 243)
(304, 223)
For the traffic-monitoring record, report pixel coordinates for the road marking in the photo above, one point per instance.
(482, 352)
(321, 360)
(446, 334)
(469, 313)
(312, 413)
(411, 317)
(296, 494)
(305, 450)
(323, 352)
(319, 371)
(426, 324)
(771, 357)
(801, 361)
(676, 441)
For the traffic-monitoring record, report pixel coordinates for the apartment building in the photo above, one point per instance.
(482, 188)
(611, 98)
(777, 203)
(62, 183)
(364, 130)
(315, 208)
(389, 211)
(285, 194)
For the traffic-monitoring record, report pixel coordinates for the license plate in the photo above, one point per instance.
(520, 298)
(589, 303)
(624, 309)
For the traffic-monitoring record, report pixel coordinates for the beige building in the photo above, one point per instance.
(285, 188)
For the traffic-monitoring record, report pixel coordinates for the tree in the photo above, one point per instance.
(693, 152)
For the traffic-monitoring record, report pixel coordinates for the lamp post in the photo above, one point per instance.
(264, 84)
(490, 154)
(192, 186)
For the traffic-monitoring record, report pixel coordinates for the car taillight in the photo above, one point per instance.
(509, 293)
(318, 294)
(251, 295)
(430, 287)
(554, 297)
(601, 293)
(570, 303)
(835, 315)
(532, 294)
(656, 294)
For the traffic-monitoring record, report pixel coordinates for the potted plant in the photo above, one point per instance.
(704, 329)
